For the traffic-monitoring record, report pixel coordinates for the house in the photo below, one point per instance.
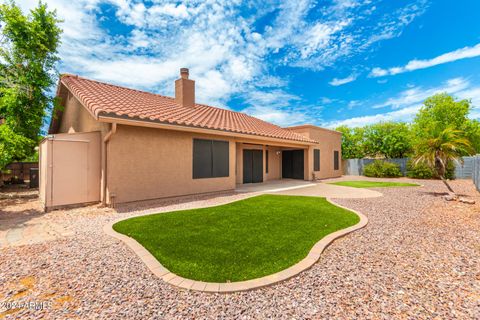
(113, 144)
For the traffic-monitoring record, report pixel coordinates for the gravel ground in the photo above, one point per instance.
(418, 257)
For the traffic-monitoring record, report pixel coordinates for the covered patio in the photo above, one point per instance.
(256, 163)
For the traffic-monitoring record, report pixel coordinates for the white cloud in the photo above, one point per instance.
(348, 30)
(290, 19)
(177, 11)
(275, 106)
(354, 103)
(463, 53)
(320, 37)
(326, 100)
(417, 94)
(338, 82)
(403, 114)
(277, 116)
(218, 41)
(378, 72)
(392, 26)
(408, 102)
(139, 39)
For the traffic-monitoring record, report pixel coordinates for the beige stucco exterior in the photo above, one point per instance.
(146, 163)
(328, 142)
(141, 160)
(76, 118)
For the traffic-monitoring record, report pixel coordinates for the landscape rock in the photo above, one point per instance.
(416, 259)
(450, 197)
(465, 200)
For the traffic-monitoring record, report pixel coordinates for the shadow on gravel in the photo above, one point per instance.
(14, 219)
(18, 205)
(440, 194)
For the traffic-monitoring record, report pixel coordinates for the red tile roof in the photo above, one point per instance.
(115, 101)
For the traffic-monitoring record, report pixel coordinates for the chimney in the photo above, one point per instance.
(185, 89)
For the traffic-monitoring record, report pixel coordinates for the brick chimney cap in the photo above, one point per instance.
(184, 72)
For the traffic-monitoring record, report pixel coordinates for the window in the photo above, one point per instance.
(316, 160)
(336, 164)
(210, 158)
(266, 161)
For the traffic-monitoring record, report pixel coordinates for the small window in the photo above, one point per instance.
(266, 161)
(336, 160)
(210, 158)
(316, 160)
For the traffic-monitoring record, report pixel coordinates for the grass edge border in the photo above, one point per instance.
(213, 287)
(413, 184)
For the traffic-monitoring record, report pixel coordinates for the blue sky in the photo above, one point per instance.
(322, 62)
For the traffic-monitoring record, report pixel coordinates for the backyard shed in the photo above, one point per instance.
(69, 169)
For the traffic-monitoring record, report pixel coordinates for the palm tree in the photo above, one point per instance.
(440, 148)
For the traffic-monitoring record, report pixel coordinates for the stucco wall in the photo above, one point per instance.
(146, 163)
(274, 161)
(75, 118)
(329, 141)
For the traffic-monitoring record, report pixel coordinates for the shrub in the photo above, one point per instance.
(382, 169)
(450, 171)
(419, 170)
(423, 171)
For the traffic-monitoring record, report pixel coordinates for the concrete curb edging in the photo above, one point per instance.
(163, 273)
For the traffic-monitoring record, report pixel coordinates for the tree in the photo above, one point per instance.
(13, 145)
(472, 133)
(352, 142)
(387, 139)
(442, 111)
(28, 55)
(441, 146)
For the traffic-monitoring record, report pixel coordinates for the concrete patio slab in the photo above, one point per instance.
(321, 189)
(273, 186)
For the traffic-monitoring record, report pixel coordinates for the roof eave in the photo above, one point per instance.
(105, 117)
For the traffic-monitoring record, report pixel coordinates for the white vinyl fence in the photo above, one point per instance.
(354, 167)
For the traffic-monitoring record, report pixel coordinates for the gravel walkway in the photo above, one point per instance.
(419, 257)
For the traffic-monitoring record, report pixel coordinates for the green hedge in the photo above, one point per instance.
(419, 171)
(423, 171)
(382, 169)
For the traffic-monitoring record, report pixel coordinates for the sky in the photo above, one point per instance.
(327, 63)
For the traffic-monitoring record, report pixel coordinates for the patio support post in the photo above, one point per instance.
(309, 163)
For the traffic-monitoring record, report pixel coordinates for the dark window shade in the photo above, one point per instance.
(220, 158)
(266, 161)
(316, 160)
(336, 160)
(202, 158)
(210, 158)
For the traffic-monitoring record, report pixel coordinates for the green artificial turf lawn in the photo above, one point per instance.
(238, 241)
(373, 184)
